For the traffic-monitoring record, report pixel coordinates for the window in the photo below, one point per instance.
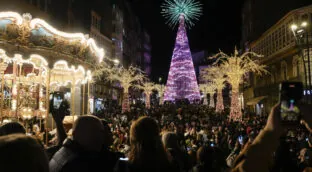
(297, 66)
(284, 70)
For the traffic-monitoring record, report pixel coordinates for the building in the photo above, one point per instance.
(259, 15)
(117, 29)
(146, 57)
(199, 59)
(282, 58)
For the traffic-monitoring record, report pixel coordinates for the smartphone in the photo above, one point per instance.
(240, 139)
(124, 159)
(291, 94)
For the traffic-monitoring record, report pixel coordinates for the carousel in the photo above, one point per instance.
(37, 61)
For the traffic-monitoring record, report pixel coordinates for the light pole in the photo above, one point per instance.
(303, 39)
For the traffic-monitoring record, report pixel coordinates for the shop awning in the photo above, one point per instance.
(255, 100)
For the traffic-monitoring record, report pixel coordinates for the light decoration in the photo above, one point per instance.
(147, 88)
(161, 89)
(182, 82)
(37, 23)
(208, 88)
(216, 75)
(126, 77)
(235, 67)
(12, 15)
(27, 113)
(173, 9)
(89, 42)
(61, 75)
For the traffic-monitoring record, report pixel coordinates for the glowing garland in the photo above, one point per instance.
(36, 23)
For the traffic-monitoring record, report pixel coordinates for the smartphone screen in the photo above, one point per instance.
(289, 110)
(290, 96)
(240, 139)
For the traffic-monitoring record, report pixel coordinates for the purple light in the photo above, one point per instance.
(182, 82)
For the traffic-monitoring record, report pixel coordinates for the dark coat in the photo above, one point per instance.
(71, 157)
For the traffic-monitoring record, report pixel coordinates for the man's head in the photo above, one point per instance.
(12, 128)
(88, 132)
(22, 153)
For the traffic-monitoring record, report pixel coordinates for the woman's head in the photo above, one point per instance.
(144, 130)
(146, 145)
(22, 153)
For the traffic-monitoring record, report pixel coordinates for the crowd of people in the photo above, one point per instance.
(178, 137)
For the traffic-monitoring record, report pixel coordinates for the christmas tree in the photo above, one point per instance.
(182, 82)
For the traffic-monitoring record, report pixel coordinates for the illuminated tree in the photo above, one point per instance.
(182, 82)
(208, 88)
(235, 67)
(125, 77)
(147, 88)
(216, 75)
(161, 89)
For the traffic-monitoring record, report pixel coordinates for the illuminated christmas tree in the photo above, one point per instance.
(182, 82)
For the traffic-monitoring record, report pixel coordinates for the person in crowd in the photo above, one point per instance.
(109, 157)
(147, 152)
(82, 151)
(179, 158)
(22, 153)
(12, 128)
(206, 160)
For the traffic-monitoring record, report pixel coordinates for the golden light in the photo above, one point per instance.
(116, 61)
(294, 27)
(304, 24)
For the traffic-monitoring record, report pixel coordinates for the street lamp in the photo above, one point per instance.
(303, 39)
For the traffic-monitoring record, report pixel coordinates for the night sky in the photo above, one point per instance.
(219, 28)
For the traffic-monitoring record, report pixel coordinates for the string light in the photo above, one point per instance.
(182, 82)
(161, 89)
(216, 75)
(209, 88)
(235, 67)
(36, 23)
(147, 88)
(18, 18)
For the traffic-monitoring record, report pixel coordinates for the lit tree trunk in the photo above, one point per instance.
(219, 106)
(161, 99)
(211, 101)
(147, 101)
(205, 100)
(236, 113)
(125, 102)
